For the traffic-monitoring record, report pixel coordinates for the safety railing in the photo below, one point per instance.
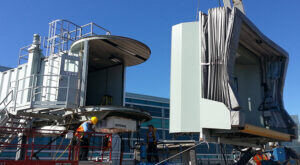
(36, 91)
(23, 55)
(92, 29)
(4, 114)
(38, 145)
(62, 33)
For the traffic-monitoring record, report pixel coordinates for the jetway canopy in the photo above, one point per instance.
(104, 48)
(225, 76)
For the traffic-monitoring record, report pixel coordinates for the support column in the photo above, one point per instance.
(85, 62)
(22, 141)
(34, 62)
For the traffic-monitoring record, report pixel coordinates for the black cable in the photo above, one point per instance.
(222, 152)
(128, 140)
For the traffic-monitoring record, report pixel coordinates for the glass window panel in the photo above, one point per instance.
(138, 101)
(168, 135)
(166, 123)
(71, 65)
(154, 103)
(160, 134)
(126, 146)
(167, 113)
(165, 105)
(157, 123)
(153, 111)
(128, 100)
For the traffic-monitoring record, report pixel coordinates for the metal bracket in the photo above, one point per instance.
(236, 3)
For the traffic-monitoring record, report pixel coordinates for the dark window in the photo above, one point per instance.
(168, 135)
(166, 105)
(166, 123)
(128, 100)
(154, 103)
(160, 134)
(153, 111)
(136, 101)
(147, 102)
(167, 113)
(203, 149)
(126, 146)
(157, 123)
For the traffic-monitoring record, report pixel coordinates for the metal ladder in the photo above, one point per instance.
(52, 79)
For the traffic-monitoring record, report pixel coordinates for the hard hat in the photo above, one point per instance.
(94, 120)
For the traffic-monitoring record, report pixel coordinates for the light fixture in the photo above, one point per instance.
(115, 59)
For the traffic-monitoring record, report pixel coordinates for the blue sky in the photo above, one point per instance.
(149, 21)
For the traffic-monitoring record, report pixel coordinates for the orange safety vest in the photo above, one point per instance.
(79, 132)
(258, 158)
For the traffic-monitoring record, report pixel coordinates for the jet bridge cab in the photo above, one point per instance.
(227, 81)
(105, 58)
(78, 73)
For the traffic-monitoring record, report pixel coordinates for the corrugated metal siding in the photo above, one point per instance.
(14, 79)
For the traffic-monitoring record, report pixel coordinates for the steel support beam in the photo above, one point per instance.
(239, 4)
(85, 60)
(227, 3)
(22, 140)
(236, 3)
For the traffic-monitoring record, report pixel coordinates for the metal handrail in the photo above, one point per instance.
(31, 149)
(3, 101)
(58, 30)
(5, 105)
(33, 88)
(94, 24)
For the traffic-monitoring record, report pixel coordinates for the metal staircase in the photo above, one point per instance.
(4, 114)
(9, 124)
(12, 130)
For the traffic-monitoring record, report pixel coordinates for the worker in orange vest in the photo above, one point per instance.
(260, 157)
(83, 136)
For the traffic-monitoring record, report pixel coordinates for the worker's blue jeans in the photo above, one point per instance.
(152, 151)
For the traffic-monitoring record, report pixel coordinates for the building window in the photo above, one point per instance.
(154, 103)
(153, 111)
(166, 124)
(167, 113)
(130, 100)
(156, 122)
(166, 105)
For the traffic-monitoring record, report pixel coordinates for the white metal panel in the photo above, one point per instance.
(4, 84)
(1, 83)
(214, 115)
(185, 79)
(189, 112)
(175, 85)
(51, 78)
